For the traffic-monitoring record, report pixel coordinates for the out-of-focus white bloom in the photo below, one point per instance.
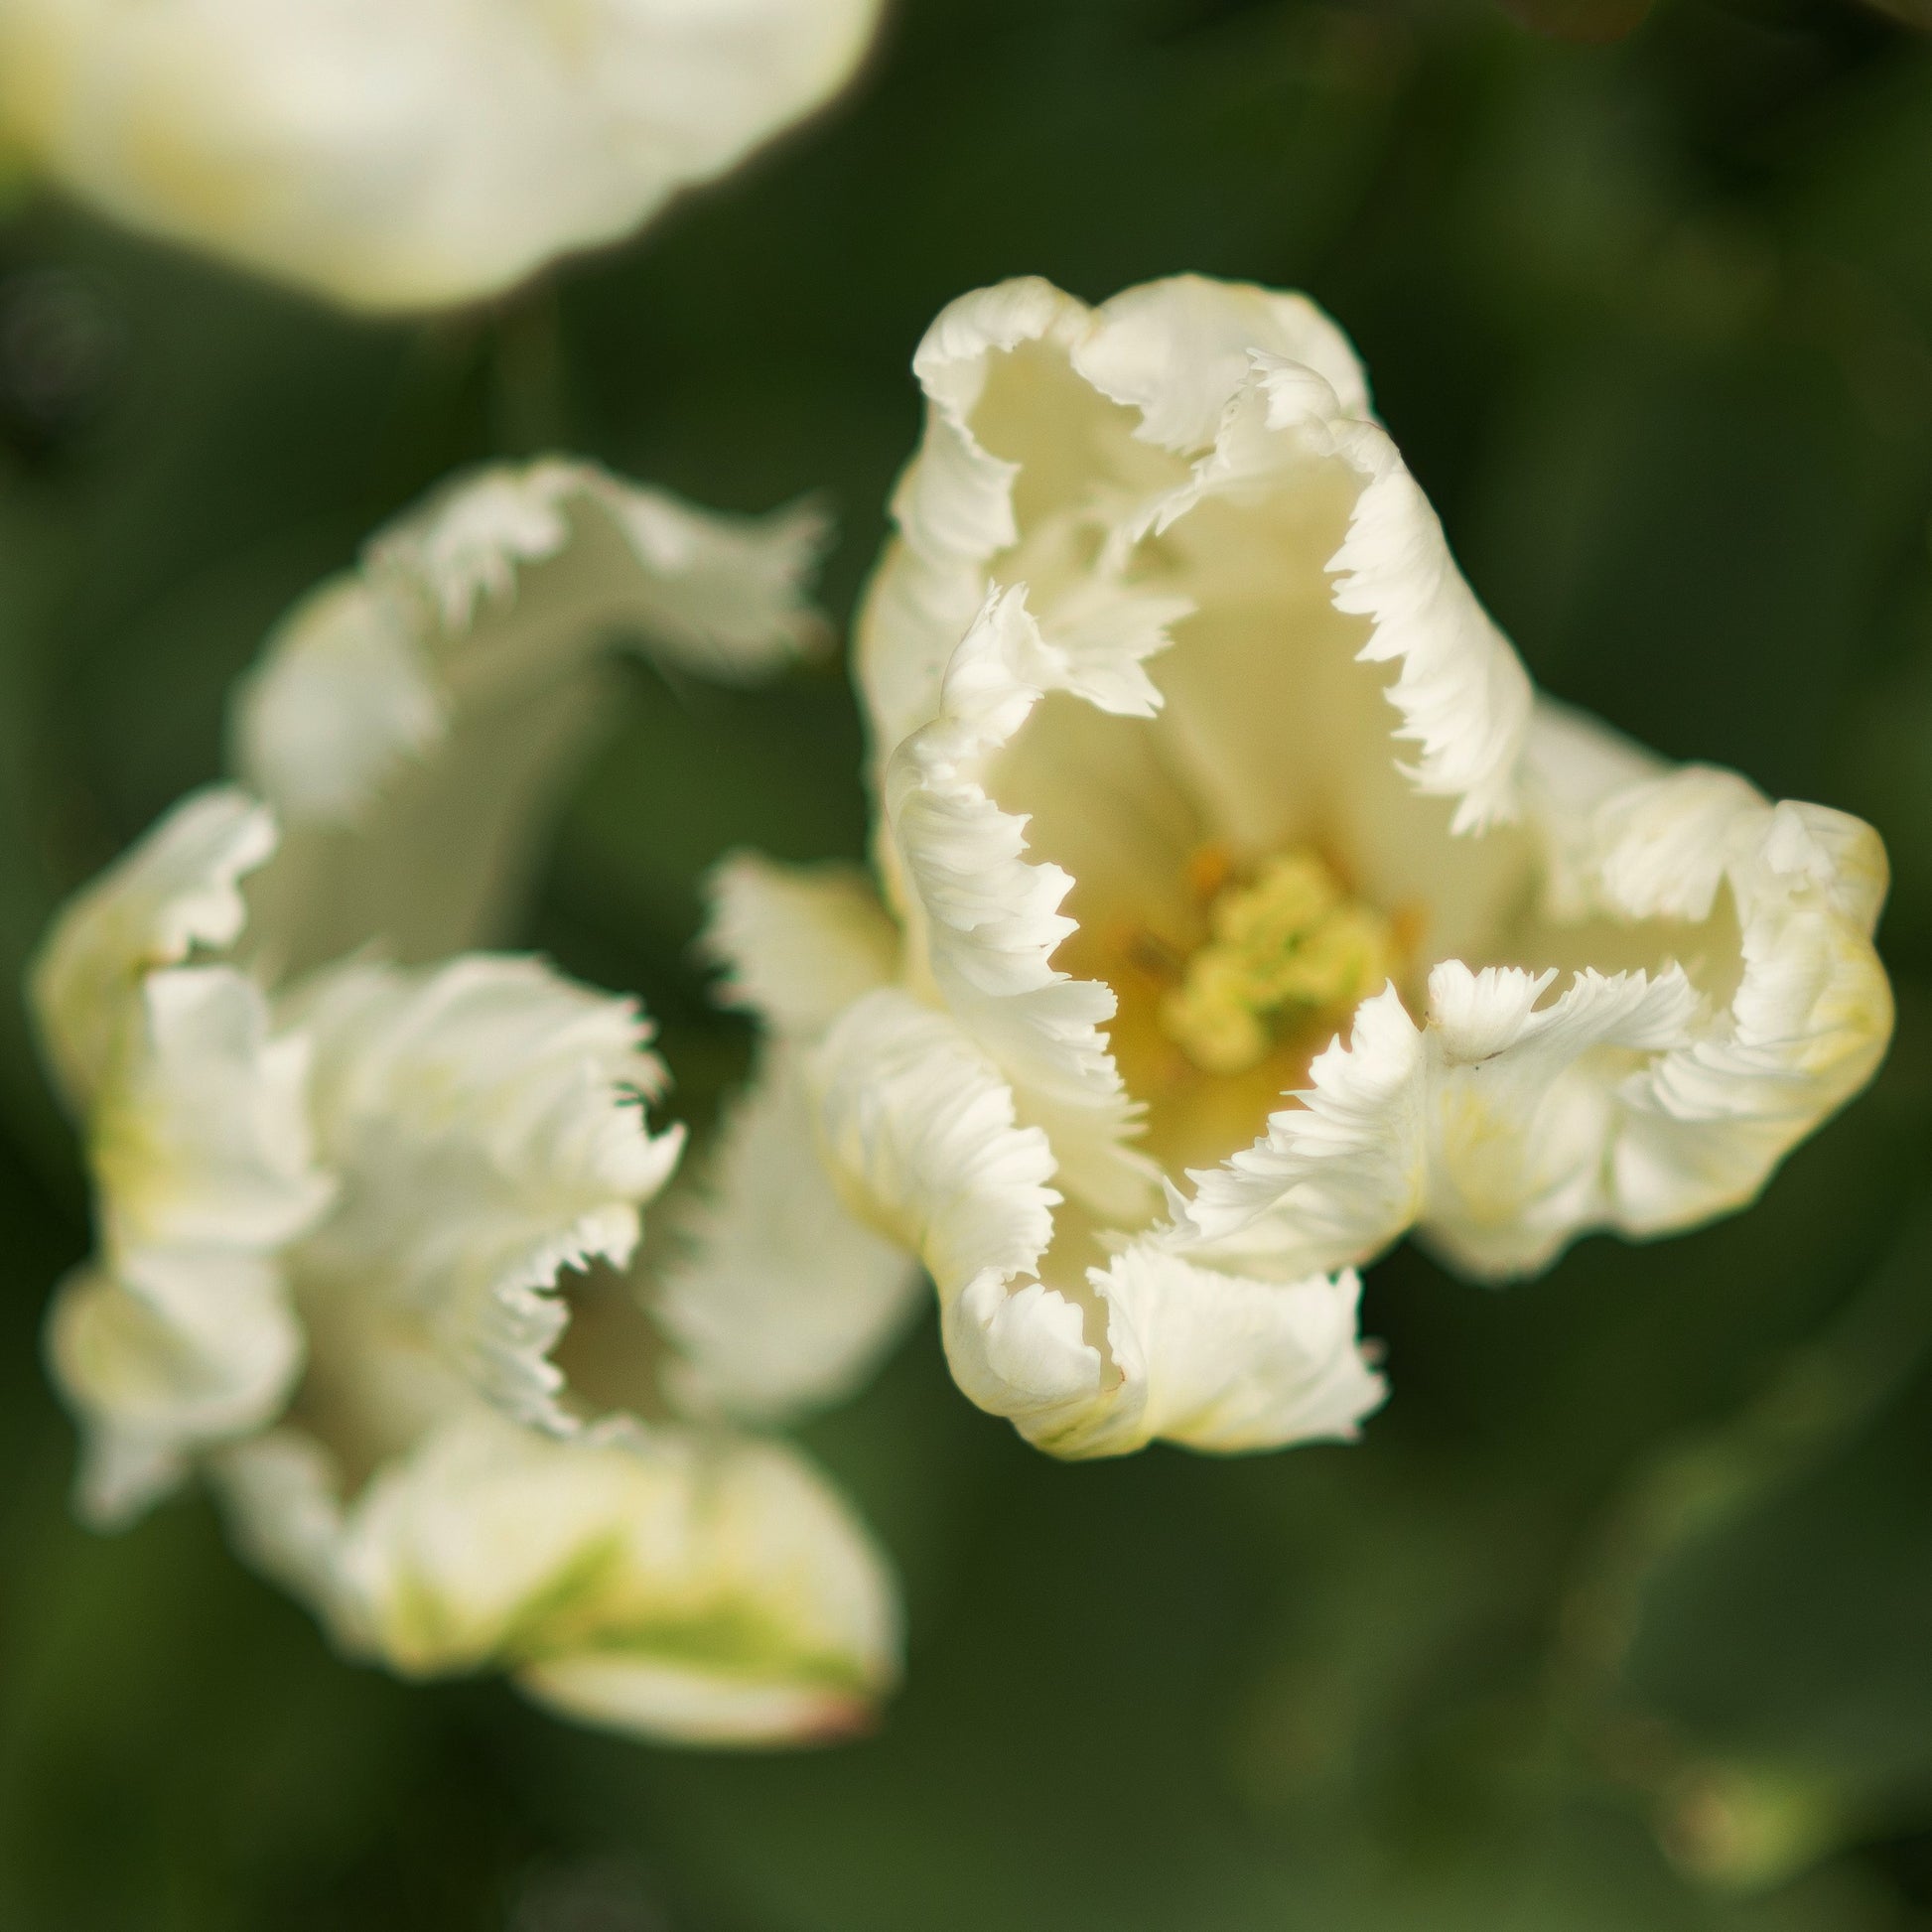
(348, 1213)
(410, 719)
(407, 154)
(1249, 909)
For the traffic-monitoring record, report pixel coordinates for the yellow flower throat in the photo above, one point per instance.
(1286, 948)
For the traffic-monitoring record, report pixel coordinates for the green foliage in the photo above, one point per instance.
(1622, 1619)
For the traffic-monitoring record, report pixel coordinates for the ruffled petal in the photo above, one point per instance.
(1798, 1012)
(486, 1120)
(1225, 1362)
(1524, 1118)
(695, 1588)
(194, 1119)
(174, 890)
(923, 1134)
(1338, 1176)
(1181, 350)
(777, 1298)
(405, 156)
(987, 921)
(797, 943)
(410, 720)
(154, 1387)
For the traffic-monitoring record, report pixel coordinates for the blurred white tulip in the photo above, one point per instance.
(407, 154)
(353, 1182)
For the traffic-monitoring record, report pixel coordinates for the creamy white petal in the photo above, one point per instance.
(183, 1335)
(921, 1131)
(681, 1584)
(193, 1118)
(175, 890)
(153, 1389)
(1222, 1361)
(1180, 350)
(201, 1140)
(798, 943)
(1523, 1114)
(776, 1298)
(987, 921)
(487, 1121)
(921, 1136)
(406, 154)
(1336, 1177)
(411, 720)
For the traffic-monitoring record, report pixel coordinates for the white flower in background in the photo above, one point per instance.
(371, 1217)
(411, 719)
(407, 154)
(1248, 907)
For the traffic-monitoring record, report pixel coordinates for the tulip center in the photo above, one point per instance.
(1286, 949)
(1229, 987)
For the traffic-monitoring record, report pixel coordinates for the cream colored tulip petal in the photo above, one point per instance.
(486, 1120)
(406, 154)
(201, 1140)
(1772, 906)
(676, 1584)
(1337, 1177)
(1523, 1111)
(798, 943)
(1089, 1357)
(778, 1300)
(990, 920)
(1220, 1361)
(175, 890)
(153, 1389)
(1180, 350)
(920, 1132)
(412, 720)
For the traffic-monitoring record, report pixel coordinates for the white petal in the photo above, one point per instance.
(175, 890)
(1225, 1362)
(800, 943)
(1463, 695)
(154, 1388)
(1337, 1177)
(200, 1147)
(410, 720)
(403, 154)
(698, 1588)
(776, 1298)
(922, 1131)
(201, 1142)
(1179, 351)
(989, 922)
(1523, 1116)
(487, 1121)
(1773, 908)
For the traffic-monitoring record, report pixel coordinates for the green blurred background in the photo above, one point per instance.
(1621, 1618)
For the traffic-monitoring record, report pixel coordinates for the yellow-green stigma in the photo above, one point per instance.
(1290, 947)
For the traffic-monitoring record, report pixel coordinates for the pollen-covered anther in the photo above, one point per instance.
(1286, 948)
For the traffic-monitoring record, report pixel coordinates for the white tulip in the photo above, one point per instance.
(348, 1206)
(1248, 910)
(407, 154)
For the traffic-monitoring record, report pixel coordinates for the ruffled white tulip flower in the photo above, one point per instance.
(348, 1206)
(407, 154)
(1248, 910)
